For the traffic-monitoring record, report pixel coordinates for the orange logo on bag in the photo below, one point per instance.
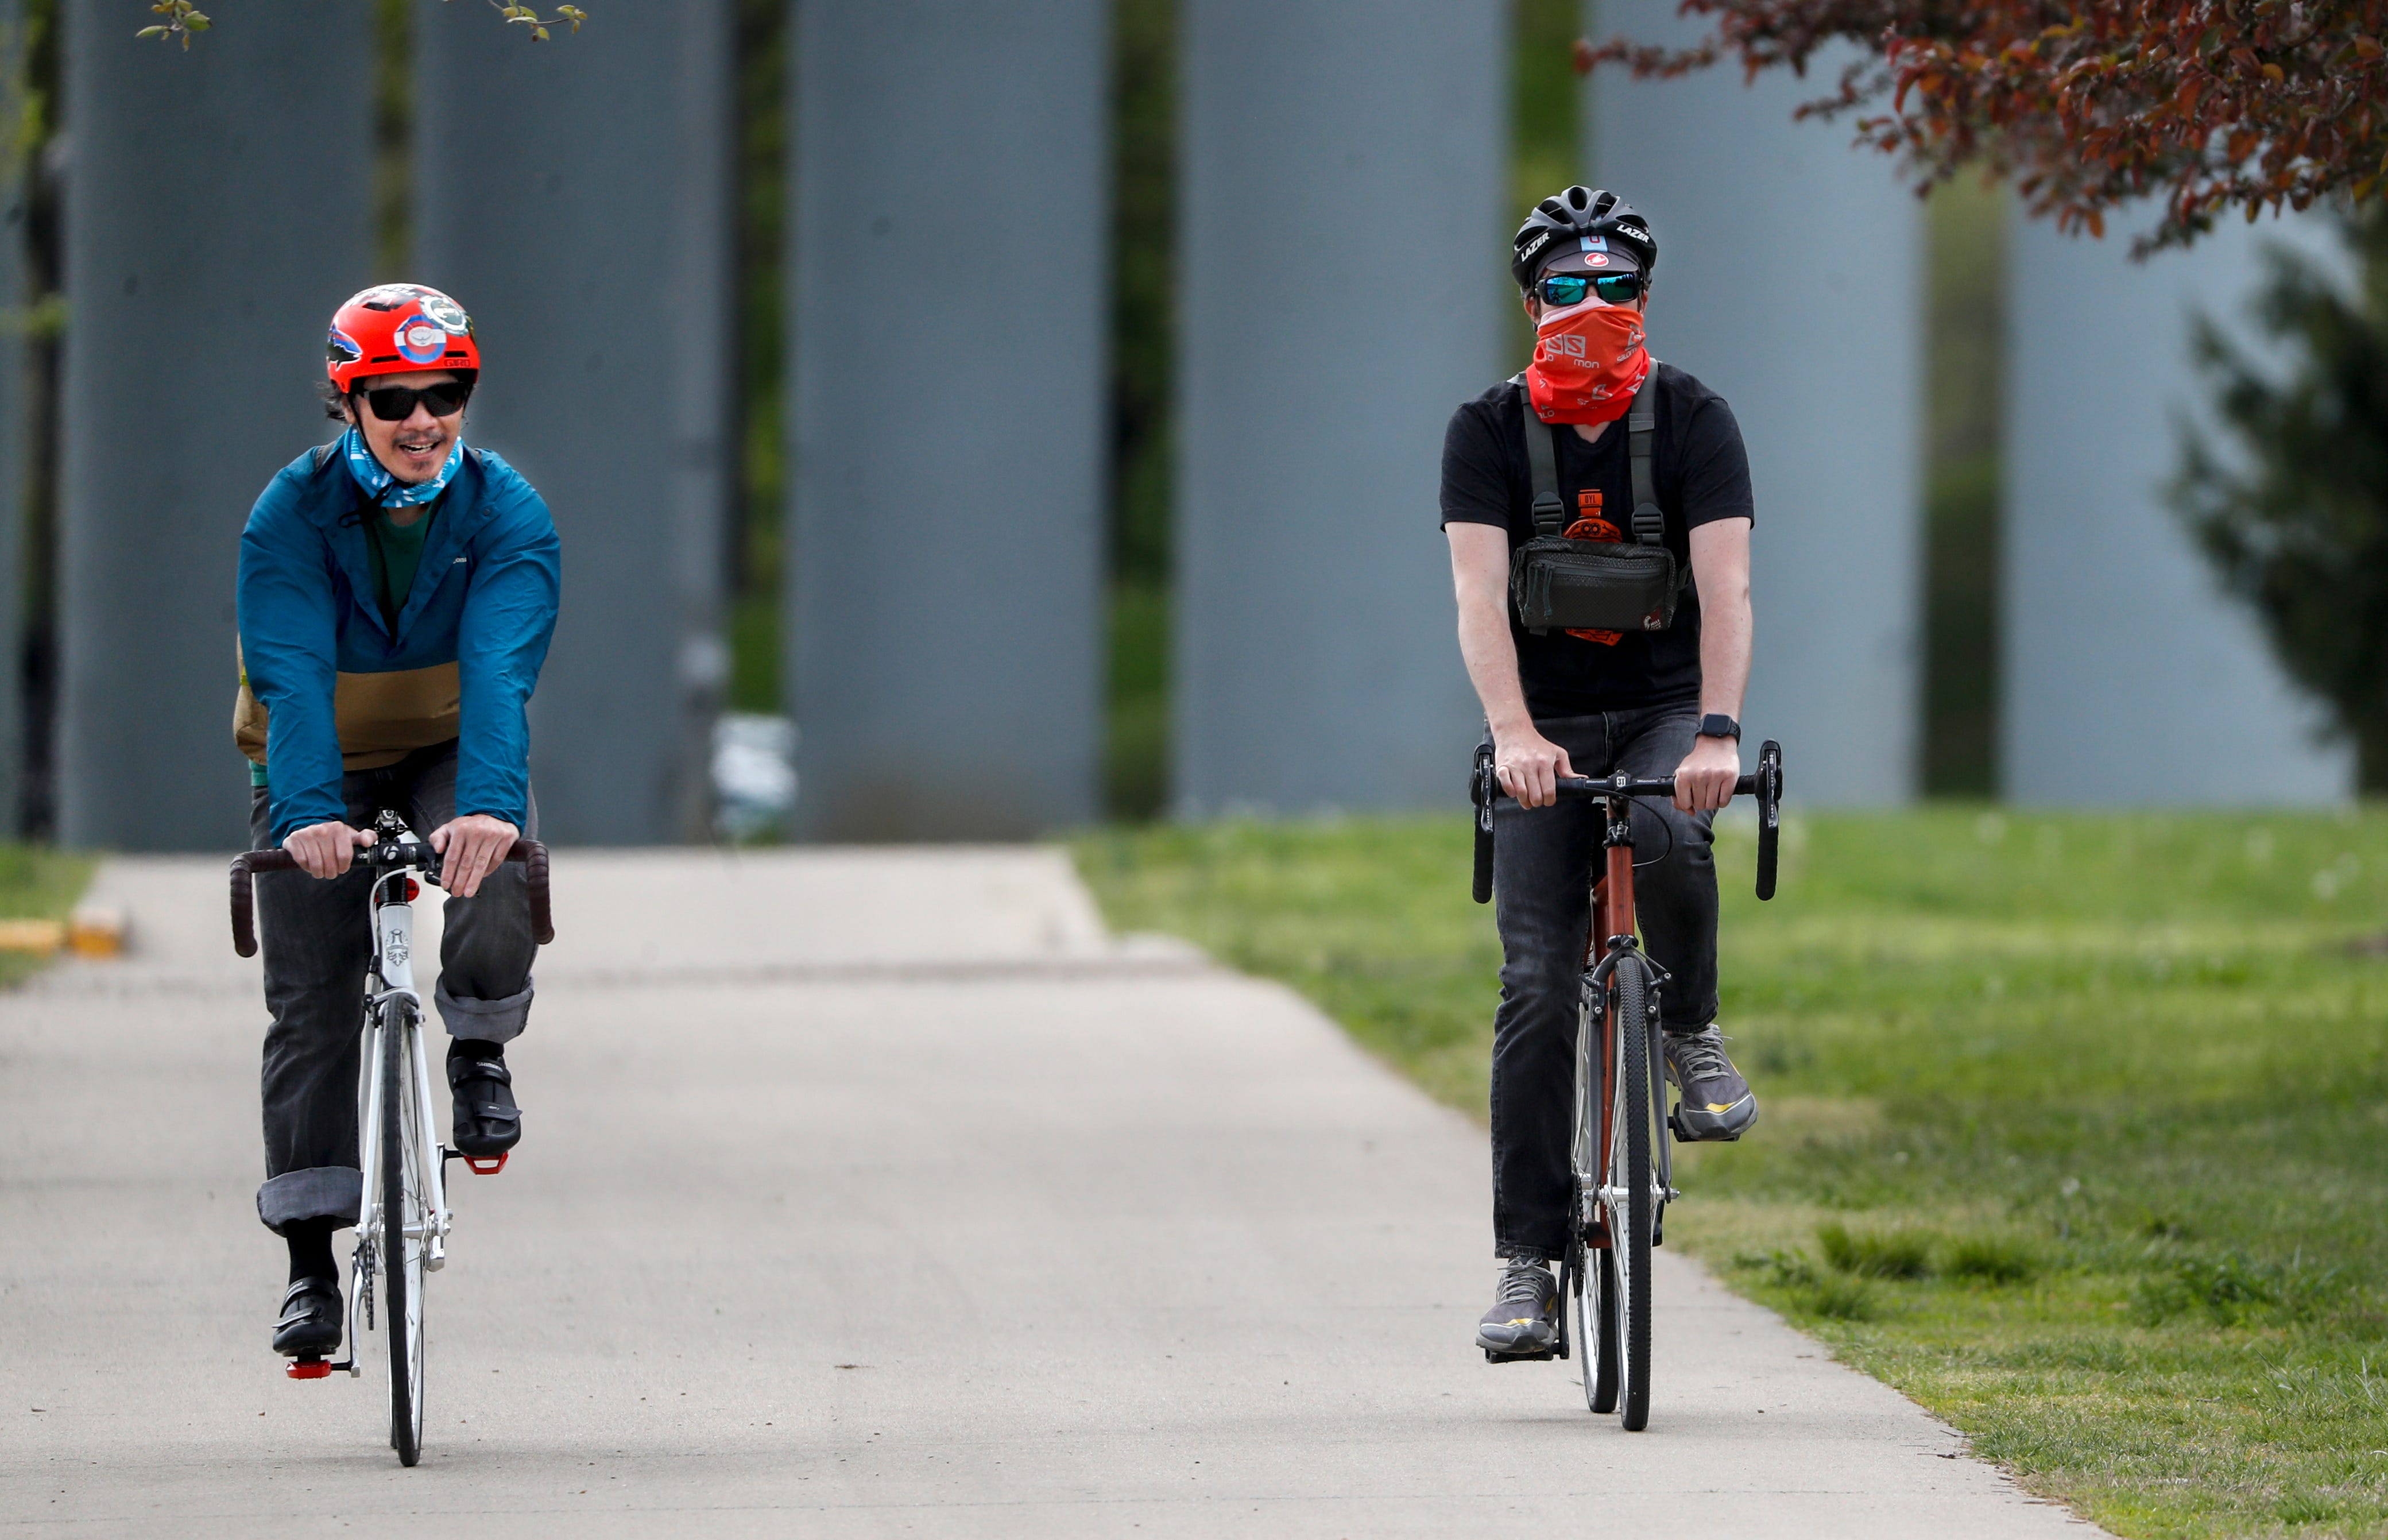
(1589, 525)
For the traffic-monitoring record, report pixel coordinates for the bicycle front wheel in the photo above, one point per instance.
(406, 1221)
(1626, 1195)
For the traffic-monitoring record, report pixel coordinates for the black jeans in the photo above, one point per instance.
(1543, 864)
(318, 940)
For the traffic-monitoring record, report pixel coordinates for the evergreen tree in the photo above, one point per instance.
(2297, 521)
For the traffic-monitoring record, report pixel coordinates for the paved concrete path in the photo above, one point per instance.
(864, 1194)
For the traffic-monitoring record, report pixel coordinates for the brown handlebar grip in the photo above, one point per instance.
(244, 907)
(533, 855)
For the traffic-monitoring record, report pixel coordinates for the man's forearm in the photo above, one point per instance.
(1721, 568)
(1491, 654)
(1724, 657)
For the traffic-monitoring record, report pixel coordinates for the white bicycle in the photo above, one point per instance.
(403, 1224)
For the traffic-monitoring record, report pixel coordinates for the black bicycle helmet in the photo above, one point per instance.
(1579, 212)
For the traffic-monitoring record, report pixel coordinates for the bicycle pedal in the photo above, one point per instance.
(481, 1166)
(309, 1368)
(1543, 1357)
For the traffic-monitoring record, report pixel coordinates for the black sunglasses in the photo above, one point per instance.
(1569, 289)
(395, 404)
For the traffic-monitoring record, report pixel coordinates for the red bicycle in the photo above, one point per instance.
(1621, 1159)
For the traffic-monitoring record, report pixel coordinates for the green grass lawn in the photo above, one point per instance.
(36, 883)
(2075, 1127)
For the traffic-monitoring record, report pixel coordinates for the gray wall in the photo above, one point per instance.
(1315, 664)
(2128, 678)
(1789, 280)
(217, 213)
(948, 282)
(574, 197)
(14, 383)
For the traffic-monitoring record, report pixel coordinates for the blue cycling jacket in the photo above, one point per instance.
(327, 685)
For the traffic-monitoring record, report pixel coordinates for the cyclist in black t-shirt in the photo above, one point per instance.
(1593, 703)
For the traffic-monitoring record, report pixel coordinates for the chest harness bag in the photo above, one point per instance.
(1564, 584)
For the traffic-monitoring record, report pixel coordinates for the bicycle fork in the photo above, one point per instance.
(393, 979)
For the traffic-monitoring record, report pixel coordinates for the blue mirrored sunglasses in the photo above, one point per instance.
(1569, 288)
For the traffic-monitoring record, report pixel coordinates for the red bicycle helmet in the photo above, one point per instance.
(398, 329)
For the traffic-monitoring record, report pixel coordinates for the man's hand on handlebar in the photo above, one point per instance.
(1527, 765)
(1704, 780)
(324, 850)
(470, 848)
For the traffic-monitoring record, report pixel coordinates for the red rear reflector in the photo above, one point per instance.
(414, 890)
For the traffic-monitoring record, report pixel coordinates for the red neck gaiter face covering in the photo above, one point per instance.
(1588, 359)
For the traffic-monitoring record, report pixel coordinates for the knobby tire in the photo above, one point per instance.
(1593, 1277)
(1629, 1169)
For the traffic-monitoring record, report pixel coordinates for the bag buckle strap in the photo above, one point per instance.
(1641, 429)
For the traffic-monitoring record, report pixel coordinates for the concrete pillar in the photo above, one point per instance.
(218, 211)
(2130, 678)
(948, 285)
(13, 442)
(575, 198)
(1315, 664)
(1790, 281)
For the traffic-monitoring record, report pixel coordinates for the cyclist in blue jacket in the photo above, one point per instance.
(397, 594)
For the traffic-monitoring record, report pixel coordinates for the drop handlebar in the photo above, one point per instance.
(388, 856)
(1765, 784)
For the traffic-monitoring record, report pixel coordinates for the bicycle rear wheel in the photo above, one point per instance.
(406, 1221)
(1626, 1188)
(1595, 1326)
(1592, 1277)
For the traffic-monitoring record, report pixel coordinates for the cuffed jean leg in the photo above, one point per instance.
(1675, 897)
(317, 943)
(486, 948)
(1542, 879)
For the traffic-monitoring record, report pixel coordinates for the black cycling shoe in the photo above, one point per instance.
(488, 1122)
(310, 1319)
(1717, 1102)
(1524, 1320)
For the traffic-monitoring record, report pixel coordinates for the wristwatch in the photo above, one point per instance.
(1716, 724)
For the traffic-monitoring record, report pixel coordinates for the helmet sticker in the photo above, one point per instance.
(446, 312)
(421, 339)
(1593, 243)
(340, 348)
(1597, 260)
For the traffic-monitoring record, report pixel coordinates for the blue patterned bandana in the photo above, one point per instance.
(375, 479)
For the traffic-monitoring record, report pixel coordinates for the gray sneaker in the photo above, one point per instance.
(1717, 1102)
(1524, 1320)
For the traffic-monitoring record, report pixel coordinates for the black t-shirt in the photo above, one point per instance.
(1703, 476)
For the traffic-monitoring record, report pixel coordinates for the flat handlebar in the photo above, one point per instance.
(388, 856)
(1765, 784)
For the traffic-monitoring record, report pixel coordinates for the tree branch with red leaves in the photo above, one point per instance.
(2209, 106)
(184, 20)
